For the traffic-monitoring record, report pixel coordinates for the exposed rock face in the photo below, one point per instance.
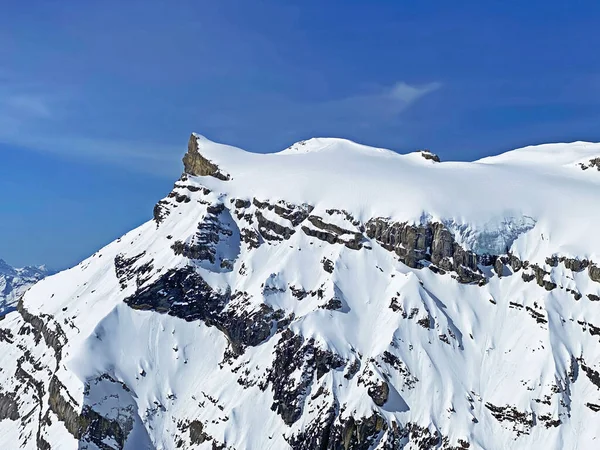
(540, 276)
(128, 269)
(85, 426)
(294, 355)
(544, 277)
(8, 407)
(594, 162)
(594, 272)
(575, 265)
(271, 230)
(333, 234)
(51, 400)
(429, 155)
(379, 393)
(294, 213)
(44, 326)
(184, 294)
(179, 195)
(212, 229)
(197, 436)
(430, 242)
(521, 422)
(196, 164)
(339, 434)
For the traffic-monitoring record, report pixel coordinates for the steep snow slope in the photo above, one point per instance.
(14, 282)
(330, 296)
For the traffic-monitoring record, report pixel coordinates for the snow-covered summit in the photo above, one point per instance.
(563, 155)
(316, 145)
(339, 298)
(474, 196)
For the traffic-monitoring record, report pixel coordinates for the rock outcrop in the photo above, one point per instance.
(594, 162)
(429, 242)
(196, 164)
(430, 156)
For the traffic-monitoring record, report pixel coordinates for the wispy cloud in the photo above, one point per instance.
(22, 105)
(137, 156)
(27, 104)
(37, 118)
(387, 101)
(32, 117)
(409, 94)
(365, 115)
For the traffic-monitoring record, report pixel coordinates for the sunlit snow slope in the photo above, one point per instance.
(329, 296)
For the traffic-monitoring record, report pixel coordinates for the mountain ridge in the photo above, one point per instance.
(530, 191)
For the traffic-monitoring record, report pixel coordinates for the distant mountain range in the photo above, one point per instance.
(15, 281)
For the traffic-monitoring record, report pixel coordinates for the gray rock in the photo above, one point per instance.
(8, 406)
(331, 233)
(429, 155)
(379, 393)
(594, 272)
(515, 263)
(499, 267)
(574, 264)
(426, 242)
(196, 164)
(197, 434)
(594, 162)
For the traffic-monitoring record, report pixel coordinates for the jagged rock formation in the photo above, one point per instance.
(417, 245)
(331, 296)
(196, 164)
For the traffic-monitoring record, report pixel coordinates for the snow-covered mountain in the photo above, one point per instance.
(329, 296)
(14, 283)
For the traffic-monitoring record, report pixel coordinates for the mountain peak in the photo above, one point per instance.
(566, 155)
(5, 268)
(195, 163)
(332, 296)
(329, 144)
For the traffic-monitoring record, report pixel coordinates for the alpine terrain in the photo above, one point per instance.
(329, 296)
(14, 283)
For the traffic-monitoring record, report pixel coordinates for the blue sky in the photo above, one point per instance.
(97, 99)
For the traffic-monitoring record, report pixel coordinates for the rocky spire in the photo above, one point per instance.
(196, 164)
